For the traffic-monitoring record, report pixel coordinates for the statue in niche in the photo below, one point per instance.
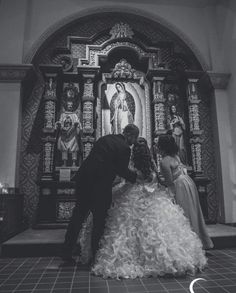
(50, 88)
(192, 92)
(122, 108)
(69, 128)
(123, 70)
(176, 127)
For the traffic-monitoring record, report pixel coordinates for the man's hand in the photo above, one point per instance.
(161, 181)
(140, 178)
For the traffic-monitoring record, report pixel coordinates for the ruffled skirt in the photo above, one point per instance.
(147, 235)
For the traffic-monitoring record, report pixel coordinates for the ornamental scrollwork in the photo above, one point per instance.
(65, 60)
(123, 70)
(88, 117)
(88, 89)
(48, 155)
(93, 52)
(197, 157)
(121, 30)
(49, 114)
(65, 210)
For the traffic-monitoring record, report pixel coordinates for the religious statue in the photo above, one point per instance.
(123, 70)
(69, 128)
(122, 109)
(50, 90)
(176, 127)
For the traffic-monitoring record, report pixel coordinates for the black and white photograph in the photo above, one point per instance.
(117, 146)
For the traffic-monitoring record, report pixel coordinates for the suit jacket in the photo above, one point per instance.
(109, 157)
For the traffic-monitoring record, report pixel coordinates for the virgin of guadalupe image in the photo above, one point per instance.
(122, 109)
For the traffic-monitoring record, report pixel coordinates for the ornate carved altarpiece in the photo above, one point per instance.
(112, 69)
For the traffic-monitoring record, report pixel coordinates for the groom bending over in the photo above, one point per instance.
(109, 157)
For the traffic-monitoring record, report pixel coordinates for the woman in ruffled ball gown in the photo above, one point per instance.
(146, 234)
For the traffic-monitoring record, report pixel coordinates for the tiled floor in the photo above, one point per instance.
(44, 275)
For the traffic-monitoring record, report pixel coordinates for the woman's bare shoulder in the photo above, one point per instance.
(168, 161)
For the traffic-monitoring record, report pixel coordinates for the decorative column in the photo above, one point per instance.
(194, 124)
(48, 154)
(49, 105)
(88, 74)
(196, 145)
(47, 205)
(88, 107)
(159, 106)
(88, 117)
(51, 74)
(158, 113)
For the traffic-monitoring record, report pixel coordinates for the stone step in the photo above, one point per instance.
(48, 242)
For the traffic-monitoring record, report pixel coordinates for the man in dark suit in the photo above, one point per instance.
(109, 157)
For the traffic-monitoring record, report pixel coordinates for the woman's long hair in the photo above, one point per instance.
(166, 143)
(142, 157)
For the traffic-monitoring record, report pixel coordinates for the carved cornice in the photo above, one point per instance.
(194, 75)
(94, 52)
(16, 72)
(219, 80)
(50, 70)
(88, 72)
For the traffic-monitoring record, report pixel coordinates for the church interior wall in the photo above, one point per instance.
(227, 28)
(9, 121)
(12, 30)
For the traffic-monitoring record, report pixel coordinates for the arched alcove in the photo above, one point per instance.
(84, 54)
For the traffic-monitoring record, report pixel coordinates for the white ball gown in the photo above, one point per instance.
(146, 235)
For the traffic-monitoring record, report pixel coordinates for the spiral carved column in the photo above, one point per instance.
(158, 112)
(196, 145)
(194, 125)
(49, 97)
(159, 105)
(88, 101)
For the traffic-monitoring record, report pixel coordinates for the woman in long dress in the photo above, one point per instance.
(146, 234)
(182, 187)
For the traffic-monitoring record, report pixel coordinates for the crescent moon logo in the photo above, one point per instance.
(193, 282)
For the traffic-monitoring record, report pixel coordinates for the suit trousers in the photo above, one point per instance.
(96, 198)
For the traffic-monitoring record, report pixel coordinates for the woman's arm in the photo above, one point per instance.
(159, 179)
(182, 123)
